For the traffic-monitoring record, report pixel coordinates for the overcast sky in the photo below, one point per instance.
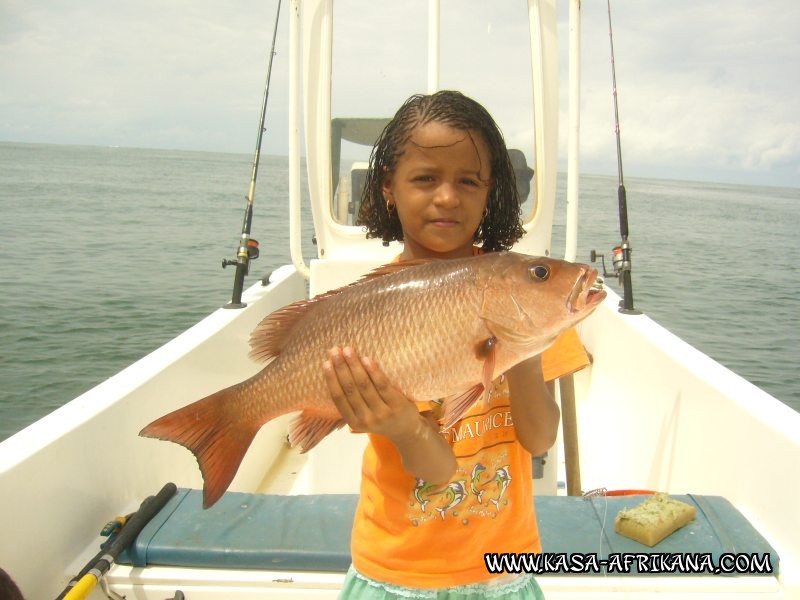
(707, 88)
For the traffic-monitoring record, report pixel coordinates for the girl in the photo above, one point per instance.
(433, 503)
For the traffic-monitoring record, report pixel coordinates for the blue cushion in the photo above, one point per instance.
(312, 533)
(249, 531)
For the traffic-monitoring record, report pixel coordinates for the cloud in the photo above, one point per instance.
(701, 89)
(705, 90)
(121, 73)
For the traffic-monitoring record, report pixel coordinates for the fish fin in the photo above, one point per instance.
(308, 428)
(456, 406)
(213, 434)
(487, 350)
(394, 267)
(271, 334)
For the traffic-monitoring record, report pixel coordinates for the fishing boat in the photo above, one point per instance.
(651, 413)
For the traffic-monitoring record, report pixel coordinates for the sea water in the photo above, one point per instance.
(107, 253)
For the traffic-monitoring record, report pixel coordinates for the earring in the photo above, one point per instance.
(482, 225)
(389, 206)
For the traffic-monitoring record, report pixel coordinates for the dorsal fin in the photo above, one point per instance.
(270, 335)
(394, 267)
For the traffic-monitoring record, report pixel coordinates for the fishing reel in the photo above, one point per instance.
(620, 260)
(247, 251)
(593, 256)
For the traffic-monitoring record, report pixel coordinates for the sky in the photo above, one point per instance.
(707, 90)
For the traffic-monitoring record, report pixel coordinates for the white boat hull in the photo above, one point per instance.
(654, 413)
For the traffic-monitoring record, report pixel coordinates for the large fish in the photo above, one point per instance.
(438, 328)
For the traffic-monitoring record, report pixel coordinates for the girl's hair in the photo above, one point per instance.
(501, 226)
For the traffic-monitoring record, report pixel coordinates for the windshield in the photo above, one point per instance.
(380, 58)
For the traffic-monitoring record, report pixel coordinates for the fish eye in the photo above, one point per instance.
(539, 272)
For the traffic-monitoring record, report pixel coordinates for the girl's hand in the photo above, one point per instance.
(366, 398)
(370, 403)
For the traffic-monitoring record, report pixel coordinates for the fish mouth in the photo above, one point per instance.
(584, 295)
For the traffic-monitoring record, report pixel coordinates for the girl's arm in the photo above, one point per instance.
(533, 408)
(370, 403)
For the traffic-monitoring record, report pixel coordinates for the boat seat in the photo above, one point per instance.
(248, 531)
(312, 532)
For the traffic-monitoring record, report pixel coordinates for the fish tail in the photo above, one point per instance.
(217, 436)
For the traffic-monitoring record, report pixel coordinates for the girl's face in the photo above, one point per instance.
(440, 188)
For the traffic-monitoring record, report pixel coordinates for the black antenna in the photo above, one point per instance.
(248, 247)
(624, 249)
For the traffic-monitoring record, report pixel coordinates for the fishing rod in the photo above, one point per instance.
(248, 247)
(622, 253)
(82, 585)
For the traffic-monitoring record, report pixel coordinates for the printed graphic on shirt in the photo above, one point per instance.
(478, 490)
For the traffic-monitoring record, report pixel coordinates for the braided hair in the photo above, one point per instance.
(501, 226)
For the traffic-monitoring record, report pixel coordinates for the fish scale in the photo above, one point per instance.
(438, 329)
(454, 324)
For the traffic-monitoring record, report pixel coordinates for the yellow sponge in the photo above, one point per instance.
(654, 519)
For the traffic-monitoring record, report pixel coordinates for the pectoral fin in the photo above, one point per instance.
(456, 407)
(487, 350)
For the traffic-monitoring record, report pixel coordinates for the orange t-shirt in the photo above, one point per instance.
(414, 534)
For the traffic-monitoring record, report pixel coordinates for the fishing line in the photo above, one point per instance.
(622, 253)
(590, 496)
(248, 247)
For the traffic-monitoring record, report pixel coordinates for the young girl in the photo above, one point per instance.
(433, 503)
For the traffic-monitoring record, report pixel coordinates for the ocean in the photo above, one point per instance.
(107, 253)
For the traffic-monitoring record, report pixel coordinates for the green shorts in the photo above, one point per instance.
(358, 587)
